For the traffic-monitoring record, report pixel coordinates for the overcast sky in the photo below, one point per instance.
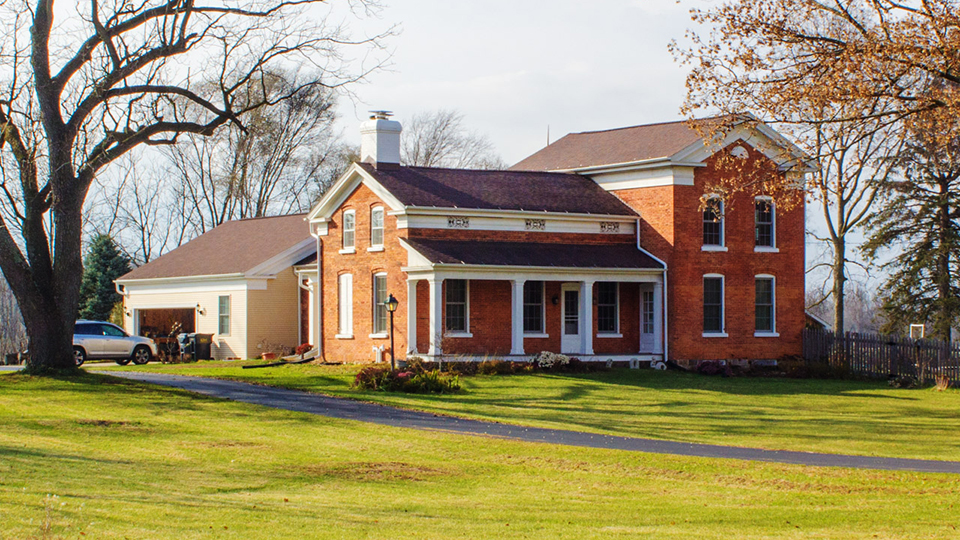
(513, 67)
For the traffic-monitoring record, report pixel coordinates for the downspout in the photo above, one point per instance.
(666, 343)
(665, 295)
(318, 295)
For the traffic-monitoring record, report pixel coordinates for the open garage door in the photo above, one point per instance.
(164, 322)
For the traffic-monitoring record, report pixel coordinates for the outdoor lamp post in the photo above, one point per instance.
(392, 304)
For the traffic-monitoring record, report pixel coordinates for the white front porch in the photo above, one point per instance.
(500, 320)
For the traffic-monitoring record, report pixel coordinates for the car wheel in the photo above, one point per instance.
(141, 355)
(122, 361)
(79, 355)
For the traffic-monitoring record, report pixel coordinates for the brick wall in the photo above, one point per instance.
(678, 239)
(362, 265)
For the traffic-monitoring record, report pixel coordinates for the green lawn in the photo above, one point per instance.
(866, 418)
(94, 457)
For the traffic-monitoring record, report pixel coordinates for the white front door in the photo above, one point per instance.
(647, 316)
(570, 328)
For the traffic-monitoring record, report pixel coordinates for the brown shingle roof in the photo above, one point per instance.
(497, 190)
(623, 145)
(623, 256)
(232, 248)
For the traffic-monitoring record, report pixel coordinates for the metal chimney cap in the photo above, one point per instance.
(380, 115)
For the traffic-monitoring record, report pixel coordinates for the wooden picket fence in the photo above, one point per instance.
(870, 355)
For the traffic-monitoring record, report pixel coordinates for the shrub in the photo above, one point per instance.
(371, 378)
(462, 368)
(405, 380)
(903, 381)
(496, 367)
(416, 364)
(549, 360)
(713, 367)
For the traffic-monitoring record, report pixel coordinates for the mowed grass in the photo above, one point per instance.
(94, 457)
(848, 417)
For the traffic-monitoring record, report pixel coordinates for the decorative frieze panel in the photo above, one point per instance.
(536, 225)
(609, 227)
(458, 222)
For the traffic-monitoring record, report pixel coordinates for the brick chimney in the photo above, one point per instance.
(380, 140)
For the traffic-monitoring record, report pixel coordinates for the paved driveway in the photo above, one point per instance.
(293, 400)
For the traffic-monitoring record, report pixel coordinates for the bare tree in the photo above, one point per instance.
(135, 205)
(111, 77)
(440, 139)
(13, 336)
(278, 164)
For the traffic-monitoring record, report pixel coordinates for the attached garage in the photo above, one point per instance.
(236, 282)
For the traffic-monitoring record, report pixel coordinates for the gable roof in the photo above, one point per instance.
(623, 145)
(496, 190)
(235, 247)
(679, 141)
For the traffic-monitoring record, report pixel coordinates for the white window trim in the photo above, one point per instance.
(722, 246)
(773, 290)
(542, 333)
(343, 247)
(723, 306)
(465, 333)
(383, 227)
(616, 333)
(373, 306)
(229, 315)
(773, 226)
(344, 323)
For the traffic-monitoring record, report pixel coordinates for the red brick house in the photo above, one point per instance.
(594, 246)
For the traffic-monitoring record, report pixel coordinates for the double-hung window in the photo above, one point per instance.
(608, 312)
(765, 306)
(533, 307)
(456, 300)
(345, 305)
(713, 305)
(713, 224)
(765, 220)
(376, 228)
(379, 305)
(223, 315)
(349, 231)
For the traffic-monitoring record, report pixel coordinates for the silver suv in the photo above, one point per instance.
(103, 340)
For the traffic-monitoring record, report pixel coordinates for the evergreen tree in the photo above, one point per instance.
(103, 264)
(921, 217)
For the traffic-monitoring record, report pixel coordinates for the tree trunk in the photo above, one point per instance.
(943, 315)
(839, 280)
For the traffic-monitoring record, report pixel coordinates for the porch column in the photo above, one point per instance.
(436, 316)
(411, 316)
(516, 347)
(586, 317)
(658, 317)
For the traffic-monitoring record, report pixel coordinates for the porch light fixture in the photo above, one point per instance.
(200, 310)
(392, 304)
(555, 300)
